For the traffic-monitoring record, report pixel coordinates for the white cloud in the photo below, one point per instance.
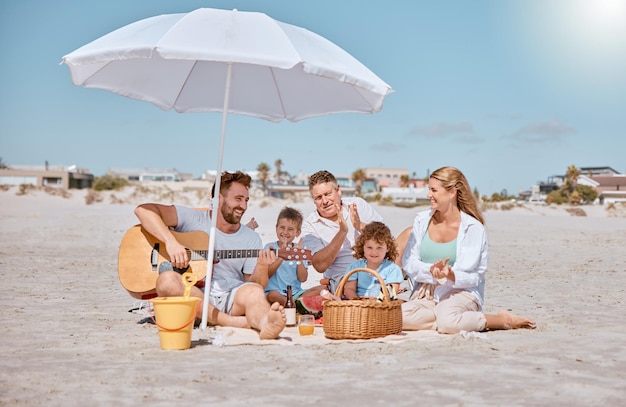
(550, 131)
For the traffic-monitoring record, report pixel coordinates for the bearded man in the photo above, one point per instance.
(236, 292)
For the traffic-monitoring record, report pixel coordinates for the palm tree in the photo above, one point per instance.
(358, 176)
(571, 179)
(404, 180)
(279, 173)
(264, 175)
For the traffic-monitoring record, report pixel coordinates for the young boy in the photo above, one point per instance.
(284, 273)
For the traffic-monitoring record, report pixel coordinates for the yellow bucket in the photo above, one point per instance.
(175, 317)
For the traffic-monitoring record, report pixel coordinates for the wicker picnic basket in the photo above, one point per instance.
(362, 318)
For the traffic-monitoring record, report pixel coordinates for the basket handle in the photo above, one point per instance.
(339, 290)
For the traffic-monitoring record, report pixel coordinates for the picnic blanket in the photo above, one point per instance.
(227, 336)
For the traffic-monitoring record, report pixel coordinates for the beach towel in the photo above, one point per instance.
(227, 336)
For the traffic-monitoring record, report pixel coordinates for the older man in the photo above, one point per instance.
(331, 230)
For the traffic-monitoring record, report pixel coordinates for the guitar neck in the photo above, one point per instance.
(141, 256)
(225, 254)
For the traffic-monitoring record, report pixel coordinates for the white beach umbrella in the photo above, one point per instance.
(212, 60)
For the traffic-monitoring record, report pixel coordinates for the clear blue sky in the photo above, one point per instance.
(510, 92)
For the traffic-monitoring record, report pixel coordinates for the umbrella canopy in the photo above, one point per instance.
(212, 60)
(180, 61)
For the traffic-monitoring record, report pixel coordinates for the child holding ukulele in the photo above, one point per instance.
(284, 273)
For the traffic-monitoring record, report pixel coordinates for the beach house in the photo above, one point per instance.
(54, 176)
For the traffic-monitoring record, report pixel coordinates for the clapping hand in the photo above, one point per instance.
(343, 225)
(354, 217)
(252, 224)
(440, 270)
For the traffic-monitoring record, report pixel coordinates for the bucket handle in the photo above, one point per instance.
(189, 280)
(193, 317)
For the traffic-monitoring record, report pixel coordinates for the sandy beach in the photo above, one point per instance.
(69, 339)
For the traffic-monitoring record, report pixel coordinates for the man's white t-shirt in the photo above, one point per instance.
(227, 273)
(317, 232)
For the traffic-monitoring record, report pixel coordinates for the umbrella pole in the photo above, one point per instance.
(215, 202)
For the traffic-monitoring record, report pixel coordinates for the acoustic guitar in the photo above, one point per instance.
(141, 256)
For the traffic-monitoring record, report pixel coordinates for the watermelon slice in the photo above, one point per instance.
(310, 304)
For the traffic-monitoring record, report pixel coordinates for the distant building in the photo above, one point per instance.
(344, 181)
(610, 185)
(535, 195)
(557, 181)
(210, 175)
(369, 186)
(149, 174)
(386, 177)
(611, 188)
(598, 171)
(56, 176)
(348, 188)
(405, 195)
(554, 183)
(300, 179)
(285, 191)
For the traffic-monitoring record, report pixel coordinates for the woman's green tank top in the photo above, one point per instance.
(431, 251)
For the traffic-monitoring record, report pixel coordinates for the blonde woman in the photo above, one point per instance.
(446, 257)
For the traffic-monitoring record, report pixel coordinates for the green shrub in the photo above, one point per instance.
(587, 193)
(575, 198)
(109, 183)
(556, 197)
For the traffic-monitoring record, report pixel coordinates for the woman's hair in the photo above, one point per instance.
(452, 178)
(291, 214)
(379, 232)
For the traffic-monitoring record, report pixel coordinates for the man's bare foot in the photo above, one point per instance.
(274, 323)
(516, 321)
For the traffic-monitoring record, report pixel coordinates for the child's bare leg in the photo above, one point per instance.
(274, 296)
